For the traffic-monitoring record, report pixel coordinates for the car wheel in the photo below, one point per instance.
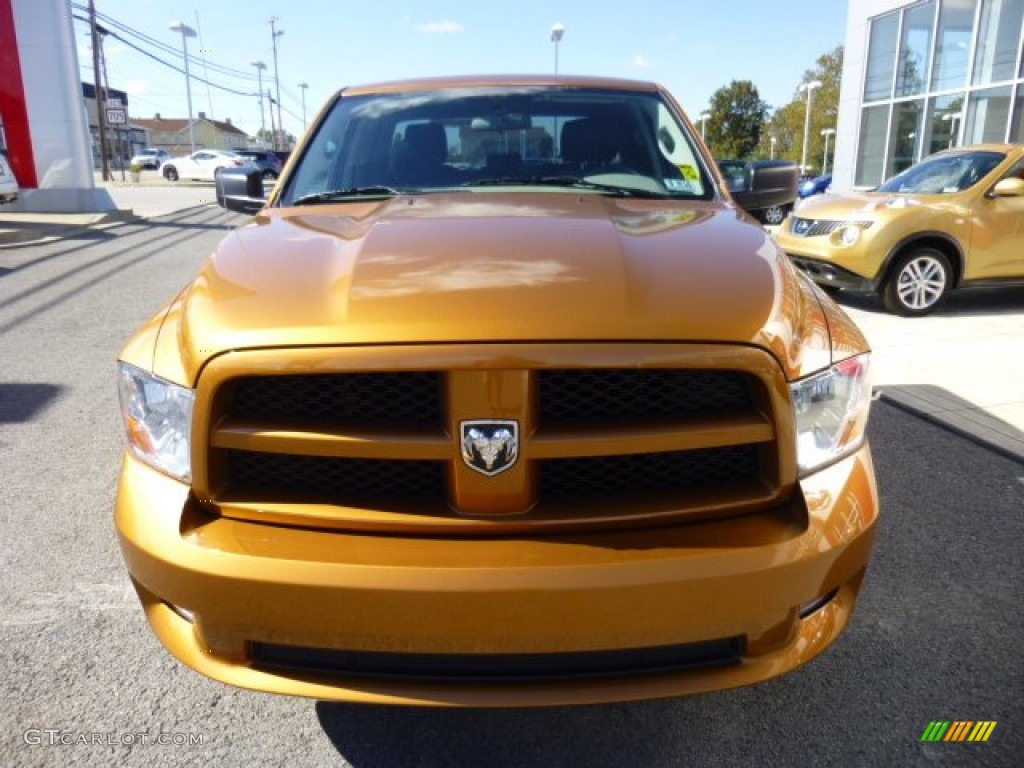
(774, 216)
(171, 173)
(917, 283)
(269, 175)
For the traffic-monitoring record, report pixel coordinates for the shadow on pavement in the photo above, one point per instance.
(936, 636)
(966, 302)
(20, 402)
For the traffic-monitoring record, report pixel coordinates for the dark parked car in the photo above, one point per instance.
(267, 161)
(766, 189)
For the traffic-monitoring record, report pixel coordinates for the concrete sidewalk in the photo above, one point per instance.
(151, 197)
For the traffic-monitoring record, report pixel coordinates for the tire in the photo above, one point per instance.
(830, 290)
(171, 173)
(774, 216)
(917, 282)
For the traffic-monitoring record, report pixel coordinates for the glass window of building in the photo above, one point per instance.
(874, 124)
(988, 112)
(995, 58)
(906, 135)
(915, 49)
(953, 44)
(881, 57)
(944, 116)
(1017, 129)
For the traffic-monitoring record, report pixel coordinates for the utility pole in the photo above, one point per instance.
(274, 34)
(101, 101)
(273, 130)
(260, 66)
(303, 86)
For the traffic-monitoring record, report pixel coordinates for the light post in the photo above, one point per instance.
(303, 86)
(260, 66)
(274, 34)
(772, 140)
(703, 117)
(809, 87)
(557, 30)
(824, 163)
(187, 32)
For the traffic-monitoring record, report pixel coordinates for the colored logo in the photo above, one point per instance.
(958, 730)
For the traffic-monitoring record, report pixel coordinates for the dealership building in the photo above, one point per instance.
(923, 76)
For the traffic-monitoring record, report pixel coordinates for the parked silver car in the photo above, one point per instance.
(8, 184)
(151, 158)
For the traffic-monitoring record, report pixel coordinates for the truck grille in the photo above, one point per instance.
(660, 441)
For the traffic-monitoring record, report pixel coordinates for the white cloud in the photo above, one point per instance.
(135, 87)
(441, 28)
(640, 62)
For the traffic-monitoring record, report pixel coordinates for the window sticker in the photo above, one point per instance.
(689, 172)
(678, 185)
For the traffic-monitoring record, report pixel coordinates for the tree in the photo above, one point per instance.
(737, 115)
(787, 124)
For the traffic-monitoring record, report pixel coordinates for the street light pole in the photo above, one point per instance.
(557, 30)
(303, 86)
(274, 34)
(703, 117)
(824, 163)
(187, 32)
(260, 66)
(771, 140)
(809, 87)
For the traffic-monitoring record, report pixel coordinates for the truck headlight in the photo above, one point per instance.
(158, 417)
(831, 413)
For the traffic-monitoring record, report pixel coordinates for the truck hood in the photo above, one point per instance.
(499, 267)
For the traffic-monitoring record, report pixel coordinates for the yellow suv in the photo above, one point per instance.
(956, 219)
(499, 399)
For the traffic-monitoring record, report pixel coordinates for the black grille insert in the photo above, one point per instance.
(636, 475)
(279, 477)
(496, 667)
(407, 399)
(620, 397)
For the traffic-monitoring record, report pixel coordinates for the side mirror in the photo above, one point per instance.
(1008, 188)
(240, 190)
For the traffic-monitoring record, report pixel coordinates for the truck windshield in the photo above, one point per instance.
(583, 140)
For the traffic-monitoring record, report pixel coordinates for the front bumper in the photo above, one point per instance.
(829, 274)
(635, 614)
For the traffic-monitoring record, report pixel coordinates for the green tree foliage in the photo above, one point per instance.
(737, 115)
(787, 123)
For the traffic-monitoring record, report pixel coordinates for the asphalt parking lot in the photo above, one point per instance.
(936, 636)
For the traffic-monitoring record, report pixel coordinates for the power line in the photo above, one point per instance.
(167, 64)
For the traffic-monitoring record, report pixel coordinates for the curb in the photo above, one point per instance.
(37, 231)
(974, 424)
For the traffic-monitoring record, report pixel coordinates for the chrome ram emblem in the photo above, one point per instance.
(490, 446)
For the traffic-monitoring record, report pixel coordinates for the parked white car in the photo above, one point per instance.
(151, 158)
(8, 184)
(200, 166)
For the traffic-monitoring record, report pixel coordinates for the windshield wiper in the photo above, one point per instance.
(343, 194)
(573, 182)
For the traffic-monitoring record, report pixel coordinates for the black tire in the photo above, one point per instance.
(917, 282)
(831, 290)
(170, 173)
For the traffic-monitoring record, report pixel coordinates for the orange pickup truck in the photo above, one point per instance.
(499, 399)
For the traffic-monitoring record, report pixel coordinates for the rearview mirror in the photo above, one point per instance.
(240, 190)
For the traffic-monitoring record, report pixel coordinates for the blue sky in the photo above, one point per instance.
(693, 47)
